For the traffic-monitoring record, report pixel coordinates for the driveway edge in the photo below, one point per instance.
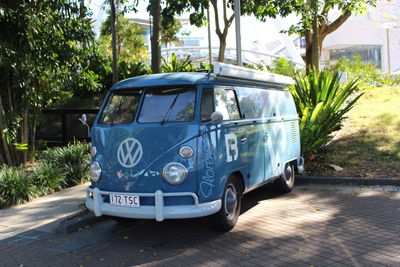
(347, 181)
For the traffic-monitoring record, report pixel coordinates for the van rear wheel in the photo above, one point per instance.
(226, 218)
(285, 183)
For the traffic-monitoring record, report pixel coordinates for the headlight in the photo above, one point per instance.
(186, 152)
(93, 151)
(175, 173)
(95, 171)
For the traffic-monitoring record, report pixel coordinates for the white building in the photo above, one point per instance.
(375, 37)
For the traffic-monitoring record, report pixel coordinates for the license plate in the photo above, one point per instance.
(124, 200)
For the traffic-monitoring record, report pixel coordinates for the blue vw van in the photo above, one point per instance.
(185, 145)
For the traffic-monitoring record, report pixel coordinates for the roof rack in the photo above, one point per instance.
(232, 71)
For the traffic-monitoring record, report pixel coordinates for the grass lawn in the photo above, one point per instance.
(369, 143)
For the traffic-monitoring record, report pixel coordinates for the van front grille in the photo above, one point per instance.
(295, 137)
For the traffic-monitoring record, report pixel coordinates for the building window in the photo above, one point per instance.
(367, 53)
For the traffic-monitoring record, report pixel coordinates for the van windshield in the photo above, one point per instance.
(168, 105)
(121, 107)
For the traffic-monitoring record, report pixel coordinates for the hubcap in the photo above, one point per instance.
(288, 174)
(230, 201)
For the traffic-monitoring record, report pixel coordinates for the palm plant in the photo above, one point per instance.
(321, 104)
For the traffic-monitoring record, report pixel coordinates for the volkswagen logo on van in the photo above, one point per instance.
(129, 152)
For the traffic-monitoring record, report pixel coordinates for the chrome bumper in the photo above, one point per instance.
(94, 202)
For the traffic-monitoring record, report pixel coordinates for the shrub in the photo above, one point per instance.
(73, 160)
(132, 69)
(367, 73)
(390, 80)
(16, 186)
(322, 104)
(48, 178)
(283, 66)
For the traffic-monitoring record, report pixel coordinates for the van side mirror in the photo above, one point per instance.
(217, 117)
(83, 119)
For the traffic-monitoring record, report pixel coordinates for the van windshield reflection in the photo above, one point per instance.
(121, 107)
(168, 105)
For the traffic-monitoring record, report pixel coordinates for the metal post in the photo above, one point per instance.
(388, 49)
(238, 36)
(209, 37)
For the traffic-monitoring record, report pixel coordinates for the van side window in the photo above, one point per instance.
(225, 102)
(250, 102)
(207, 104)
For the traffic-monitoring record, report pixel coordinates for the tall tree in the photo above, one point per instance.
(44, 48)
(155, 11)
(114, 40)
(315, 18)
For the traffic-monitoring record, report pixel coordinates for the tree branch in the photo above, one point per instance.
(224, 9)
(337, 23)
(326, 9)
(217, 27)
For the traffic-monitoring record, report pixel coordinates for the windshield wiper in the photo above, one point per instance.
(169, 109)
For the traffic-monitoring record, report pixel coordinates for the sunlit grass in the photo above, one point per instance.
(370, 138)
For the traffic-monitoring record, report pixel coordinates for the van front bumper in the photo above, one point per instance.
(94, 202)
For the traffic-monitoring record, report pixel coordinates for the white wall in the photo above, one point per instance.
(362, 31)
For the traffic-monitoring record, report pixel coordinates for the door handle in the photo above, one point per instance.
(243, 139)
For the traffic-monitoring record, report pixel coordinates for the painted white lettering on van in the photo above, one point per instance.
(207, 180)
(232, 151)
(206, 189)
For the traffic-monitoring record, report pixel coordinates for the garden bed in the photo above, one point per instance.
(369, 143)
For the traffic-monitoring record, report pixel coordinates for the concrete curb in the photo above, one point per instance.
(347, 181)
(81, 220)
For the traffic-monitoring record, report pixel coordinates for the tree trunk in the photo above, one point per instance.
(222, 34)
(315, 50)
(155, 36)
(114, 43)
(24, 135)
(6, 150)
(314, 41)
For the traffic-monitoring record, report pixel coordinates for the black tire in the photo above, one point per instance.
(285, 183)
(226, 218)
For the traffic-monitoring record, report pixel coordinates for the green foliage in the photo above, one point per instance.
(263, 9)
(204, 66)
(132, 69)
(15, 187)
(130, 39)
(175, 65)
(322, 105)
(367, 73)
(283, 66)
(73, 160)
(46, 47)
(169, 32)
(390, 80)
(48, 178)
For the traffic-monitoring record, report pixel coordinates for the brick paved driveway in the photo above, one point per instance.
(310, 226)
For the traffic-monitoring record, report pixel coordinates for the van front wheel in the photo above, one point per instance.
(226, 218)
(285, 183)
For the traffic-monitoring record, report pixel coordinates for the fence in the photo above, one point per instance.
(60, 126)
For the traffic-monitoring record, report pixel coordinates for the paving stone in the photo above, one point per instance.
(310, 226)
